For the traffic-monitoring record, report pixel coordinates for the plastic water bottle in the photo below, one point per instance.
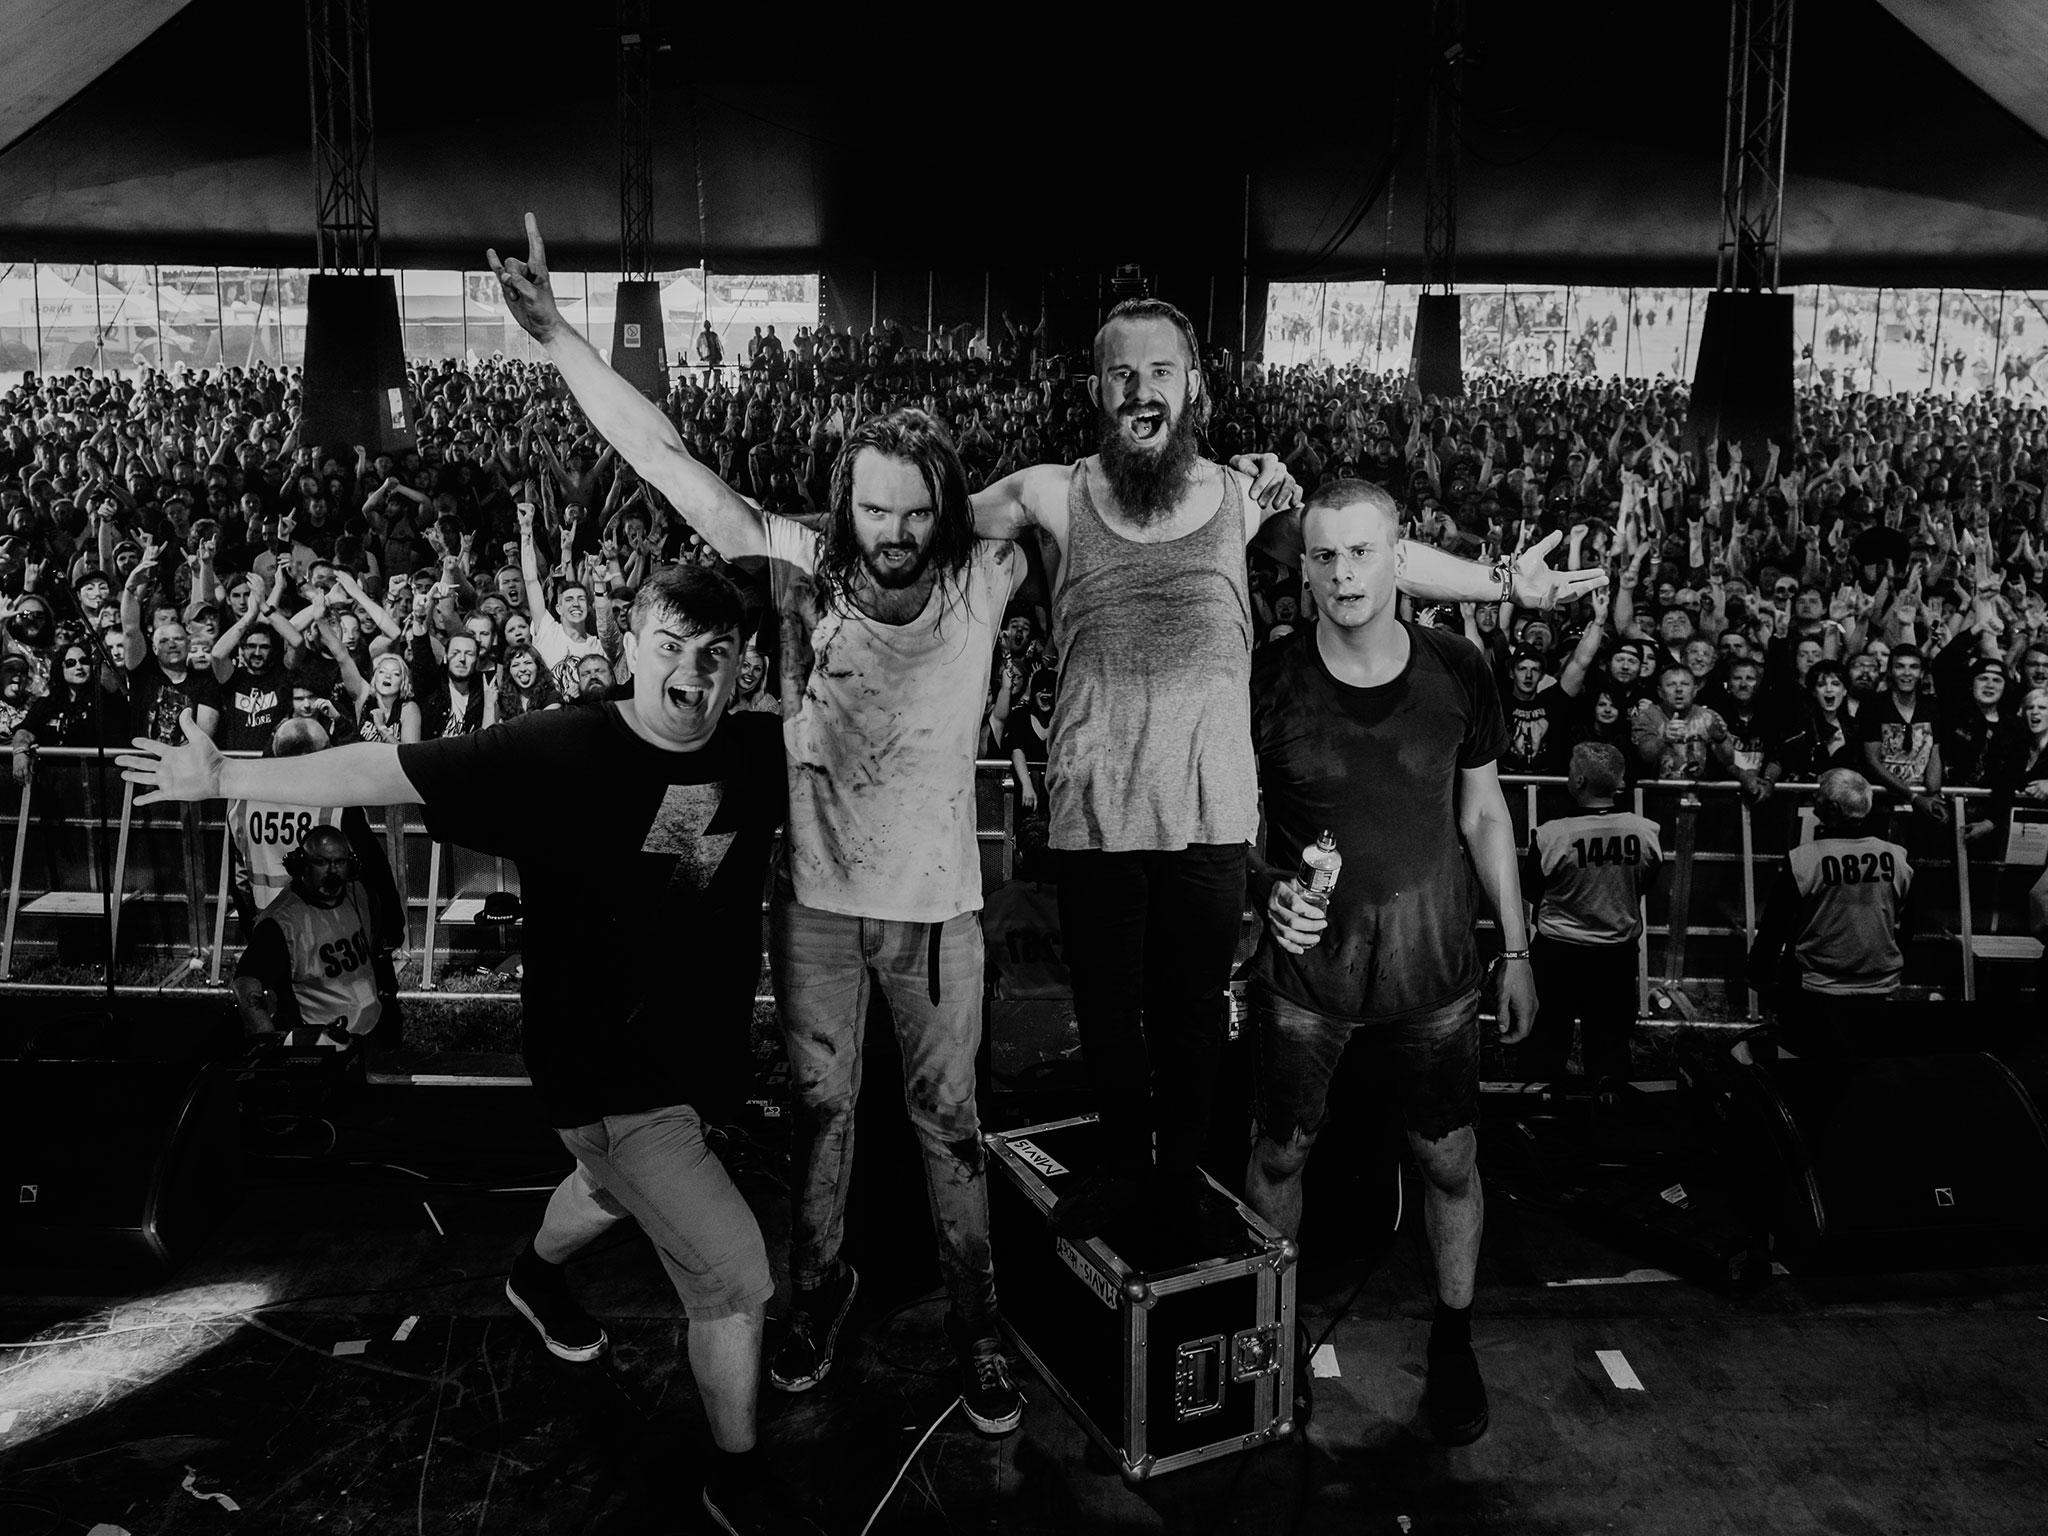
(1320, 867)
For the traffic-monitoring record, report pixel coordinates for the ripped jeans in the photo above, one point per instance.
(931, 974)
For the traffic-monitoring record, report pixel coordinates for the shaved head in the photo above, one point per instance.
(1333, 494)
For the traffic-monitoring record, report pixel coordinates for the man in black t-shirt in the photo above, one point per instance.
(637, 897)
(162, 684)
(1898, 734)
(1386, 735)
(1538, 718)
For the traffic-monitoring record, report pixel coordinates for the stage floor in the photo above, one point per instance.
(1912, 1402)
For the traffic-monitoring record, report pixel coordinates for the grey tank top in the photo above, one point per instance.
(1151, 729)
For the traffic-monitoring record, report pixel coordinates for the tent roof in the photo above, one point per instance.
(1592, 138)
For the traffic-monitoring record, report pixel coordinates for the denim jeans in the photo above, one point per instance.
(1149, 937)
(931, 974)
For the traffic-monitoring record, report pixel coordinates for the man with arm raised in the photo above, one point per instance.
(887, 620)
(1150, 770)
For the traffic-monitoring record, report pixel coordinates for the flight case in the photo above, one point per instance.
(1164, 1359)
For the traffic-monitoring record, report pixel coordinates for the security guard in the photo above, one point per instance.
(310, 965)
(1827, 946)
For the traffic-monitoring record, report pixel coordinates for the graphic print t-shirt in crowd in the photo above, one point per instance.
(641, 873)
(155, 699)
(1904, 746)
(1536, 731)
(252, 705)
(1378, 767)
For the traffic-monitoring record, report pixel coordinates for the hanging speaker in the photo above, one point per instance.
(1742, 380)
(355, 389)
(639, 350)
(1436, 362)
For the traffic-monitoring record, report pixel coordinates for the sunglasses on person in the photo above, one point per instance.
(78, 663)
(1785, 589)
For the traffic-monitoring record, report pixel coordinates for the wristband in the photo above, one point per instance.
(1514, 954)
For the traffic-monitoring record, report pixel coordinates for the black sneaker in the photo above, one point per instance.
(539, 1292)
(811, 1333)
(993, 1403)
(1455, 1398)
(1103, 1200)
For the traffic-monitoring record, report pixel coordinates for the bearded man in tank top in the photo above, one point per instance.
(1150, 770)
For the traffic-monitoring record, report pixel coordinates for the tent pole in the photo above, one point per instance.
(1997, 343)
(1940, 296)
(1244, 302)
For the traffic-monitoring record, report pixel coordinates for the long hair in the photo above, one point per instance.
(916, 439)
(514, 700)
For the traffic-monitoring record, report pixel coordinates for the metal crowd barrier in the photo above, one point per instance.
(156, 878)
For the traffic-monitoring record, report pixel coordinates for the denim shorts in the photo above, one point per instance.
(1428, 1059)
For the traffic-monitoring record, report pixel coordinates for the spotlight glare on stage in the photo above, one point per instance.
(79, 1366)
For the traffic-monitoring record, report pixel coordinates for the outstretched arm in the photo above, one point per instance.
(364, 774)
(629, 421)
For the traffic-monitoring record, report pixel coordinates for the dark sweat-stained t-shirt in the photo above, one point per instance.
(1377, 767)
(640, 872)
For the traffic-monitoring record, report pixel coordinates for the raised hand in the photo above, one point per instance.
(1272, 486)
(528, 292)
(188, 772)
(1536, 585)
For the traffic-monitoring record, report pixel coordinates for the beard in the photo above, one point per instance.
(1148, 481)
(892, 577)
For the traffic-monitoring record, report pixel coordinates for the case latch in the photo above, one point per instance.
(1254, 1352)
(1198, 1378)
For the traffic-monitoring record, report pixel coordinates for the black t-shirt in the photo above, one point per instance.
(1021, 735)
(155, 699)
(1378, 768)
(252, 706)
(641, 873)
(1537, 731)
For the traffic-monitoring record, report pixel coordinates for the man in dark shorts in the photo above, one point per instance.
(631, 896)
(1385, 734)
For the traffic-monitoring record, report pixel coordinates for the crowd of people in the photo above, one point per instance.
(1869, 593)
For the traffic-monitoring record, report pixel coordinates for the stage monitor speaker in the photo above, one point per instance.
(639, 347)
(1742, 380)
(119, 1166)
(1902, 1158)
(355, 390)
(1437, 360)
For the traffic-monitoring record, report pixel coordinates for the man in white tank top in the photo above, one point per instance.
(887, 620)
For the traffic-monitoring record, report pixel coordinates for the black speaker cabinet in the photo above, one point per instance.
(120, 1165)
(355, 390)
(1912, 1158)
(1438, 359)
(1742, 379)
(639, 348)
